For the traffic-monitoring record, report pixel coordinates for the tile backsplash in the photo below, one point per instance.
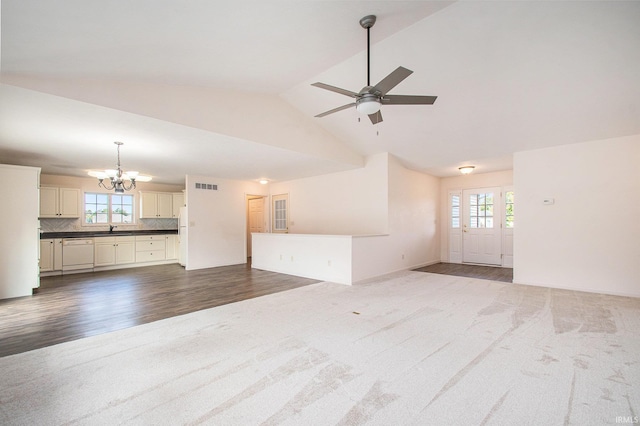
(74, 225)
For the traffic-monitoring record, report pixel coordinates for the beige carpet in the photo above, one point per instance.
(414, 348)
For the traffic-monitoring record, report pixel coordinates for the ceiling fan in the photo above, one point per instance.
(371, 98)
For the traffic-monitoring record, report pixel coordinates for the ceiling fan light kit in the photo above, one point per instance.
(371, 98)
(368, 104)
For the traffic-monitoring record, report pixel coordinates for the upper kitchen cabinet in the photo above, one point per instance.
(156, 205)
(178, 201)
(59, 202)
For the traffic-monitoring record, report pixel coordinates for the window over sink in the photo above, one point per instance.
(108, 208)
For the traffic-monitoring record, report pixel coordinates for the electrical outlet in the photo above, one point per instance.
(280, 257)
(329, 263)
(292, 258)
(403, 257)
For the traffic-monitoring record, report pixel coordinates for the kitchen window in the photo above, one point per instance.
(107, 208)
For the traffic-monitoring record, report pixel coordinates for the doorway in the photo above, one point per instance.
(476, 226)
(256, 221)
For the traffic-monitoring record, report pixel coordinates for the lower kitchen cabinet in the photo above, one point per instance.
(51, 255)
(151, 248)
(171, 243)
(114, 251)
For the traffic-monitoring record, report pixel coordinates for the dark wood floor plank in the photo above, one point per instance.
(71, 307)
(471, 271)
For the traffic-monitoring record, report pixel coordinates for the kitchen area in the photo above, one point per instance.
(69, 245)
(46, 230)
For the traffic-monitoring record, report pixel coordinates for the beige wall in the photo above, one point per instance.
(345, 203)
(588, 238)
(90, 184)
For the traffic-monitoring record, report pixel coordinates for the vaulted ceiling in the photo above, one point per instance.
(223, 88)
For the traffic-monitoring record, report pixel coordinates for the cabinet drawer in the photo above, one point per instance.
(150, 238)
(150, 245)
(150, 256)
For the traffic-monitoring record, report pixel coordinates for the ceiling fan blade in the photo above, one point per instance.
(393, 79)
(408, 100)
(376, 117)
(336, 89)
(331, 111)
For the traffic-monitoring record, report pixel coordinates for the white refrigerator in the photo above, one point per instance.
(182, 236)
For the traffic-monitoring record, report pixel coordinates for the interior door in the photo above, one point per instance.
(481, 229)
(256, 219)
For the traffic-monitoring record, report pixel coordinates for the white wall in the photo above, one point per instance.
(413, 236)
(391, 211)
(345, 203)
(19, 241)
(471, 181)
(217, 221)
(588, 239)
(321, 257)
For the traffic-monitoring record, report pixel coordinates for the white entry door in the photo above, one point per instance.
(481, 226)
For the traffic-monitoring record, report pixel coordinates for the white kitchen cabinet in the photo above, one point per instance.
(171, 244)
(151, 248)
(177, 202)
(51, 255)
(58, 202)
(114, 251)
(156, 205)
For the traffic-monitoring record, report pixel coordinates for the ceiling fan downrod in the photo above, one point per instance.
(366, 23)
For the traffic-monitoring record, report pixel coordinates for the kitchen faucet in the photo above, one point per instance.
(111, 227)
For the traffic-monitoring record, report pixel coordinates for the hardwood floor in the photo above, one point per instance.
(471, 271)
(71, 307)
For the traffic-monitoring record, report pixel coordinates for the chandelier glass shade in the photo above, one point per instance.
(117, 179)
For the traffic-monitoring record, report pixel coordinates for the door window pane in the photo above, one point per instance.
(455, 211)
(481, 210)
(509, 208)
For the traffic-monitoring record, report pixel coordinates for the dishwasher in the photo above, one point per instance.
(77, 253)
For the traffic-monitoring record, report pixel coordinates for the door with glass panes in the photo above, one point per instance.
(481, 226)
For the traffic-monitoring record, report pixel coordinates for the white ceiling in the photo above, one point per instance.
(179, 82)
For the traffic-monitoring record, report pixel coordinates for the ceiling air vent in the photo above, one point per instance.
(206, 186)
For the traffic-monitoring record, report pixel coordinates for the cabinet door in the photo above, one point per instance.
(46, 255)
(57, 254)
(69, 204)
(125, 252)
(48, 201)
(105, 254)
(178, 201)
(165, 205)
(148, 205)
(172, 247)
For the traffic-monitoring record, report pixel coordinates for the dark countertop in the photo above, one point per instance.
(91, 234)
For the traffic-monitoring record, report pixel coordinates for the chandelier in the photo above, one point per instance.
(117, 178)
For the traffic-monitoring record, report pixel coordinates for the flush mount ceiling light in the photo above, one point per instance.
(117, 177)
(263, 181)
(465, 170)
